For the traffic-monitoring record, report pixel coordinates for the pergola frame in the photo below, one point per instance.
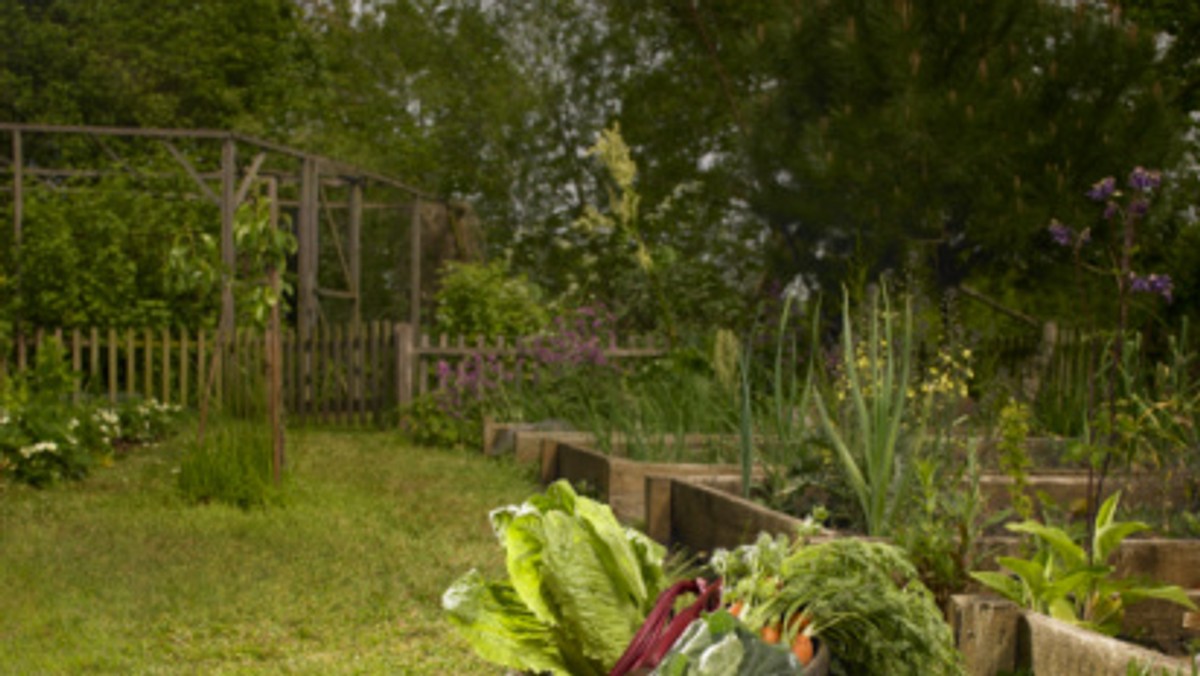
(234, 184)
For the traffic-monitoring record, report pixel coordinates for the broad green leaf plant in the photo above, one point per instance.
(1064, 582)
(877, 374)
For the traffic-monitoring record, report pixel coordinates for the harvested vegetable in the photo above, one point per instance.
(863, 599)
(720, 645)
(579, 586)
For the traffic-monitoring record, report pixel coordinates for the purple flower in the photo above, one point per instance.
(1061, 234)
(1110, 210)
(1144, 180)
(1162, 285)
(1139, 207)
(1153, 283)
(1103, 189)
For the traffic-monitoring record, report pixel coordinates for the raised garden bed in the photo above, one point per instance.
(995, 636)
(620, 482)
(706, 513)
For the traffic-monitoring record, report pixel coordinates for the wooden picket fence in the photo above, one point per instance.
(341, 374)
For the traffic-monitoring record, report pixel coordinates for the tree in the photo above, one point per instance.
(922, 135)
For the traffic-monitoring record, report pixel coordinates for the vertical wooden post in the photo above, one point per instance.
(405, 358)
(307, 275)
(228, 213)
(185, 356)
(166, 366)
(94, 360)
(355, 235)
(414, 262)
(18, 161)
(274, 353)
(112, 366)
(147, 364)
(76, 362)
(130, 365)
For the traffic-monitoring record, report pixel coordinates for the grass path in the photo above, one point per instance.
(117, 575)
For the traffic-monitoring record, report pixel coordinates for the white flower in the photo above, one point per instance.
(73, 423)
(39, 447)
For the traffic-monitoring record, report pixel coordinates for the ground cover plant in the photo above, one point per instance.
(120, 574)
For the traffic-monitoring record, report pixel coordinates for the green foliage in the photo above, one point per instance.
(868, 440)
(942, 532)
(486, 299)
(938, 137)
(94, 255)
(1014, 457)
(1067, 583)
(430, 421)
(40, 440)
(231, 466)
(142, 63)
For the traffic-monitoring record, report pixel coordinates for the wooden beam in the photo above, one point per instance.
(337, 241)
(248, 180)
(307, 259)
(18, 163)
(191, 171)
(228, 210)
(355, 245)
(414, 263)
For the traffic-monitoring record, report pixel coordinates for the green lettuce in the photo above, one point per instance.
(579, 586)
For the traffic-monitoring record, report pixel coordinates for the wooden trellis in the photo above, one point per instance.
(245, 161)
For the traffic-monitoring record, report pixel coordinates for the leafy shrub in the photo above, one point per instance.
(40, 435)
(232, 466)
(430, 420)
(486, 299)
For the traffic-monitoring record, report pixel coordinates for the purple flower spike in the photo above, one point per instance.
(1061, 234)
(1103, 189)
(1110, 210)
(1162, 285)
(1144, 180)
(1154, 283)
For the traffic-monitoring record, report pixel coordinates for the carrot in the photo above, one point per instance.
(802, 648)
(770, 633)
(798, 622)
(736, 608)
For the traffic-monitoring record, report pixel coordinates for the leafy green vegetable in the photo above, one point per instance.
(720, 645)
(864, 599)
(579, 586)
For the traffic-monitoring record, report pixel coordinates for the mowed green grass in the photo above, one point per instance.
(117, 575)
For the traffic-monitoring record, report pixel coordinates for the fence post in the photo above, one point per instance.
(406, 358)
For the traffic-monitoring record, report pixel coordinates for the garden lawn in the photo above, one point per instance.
(117, 574)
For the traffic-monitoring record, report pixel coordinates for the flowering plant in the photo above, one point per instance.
(45, 436)
(574, 344)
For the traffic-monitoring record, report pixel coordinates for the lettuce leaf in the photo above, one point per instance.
(499, 627)
(575, 574)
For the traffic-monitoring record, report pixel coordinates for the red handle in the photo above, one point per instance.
(660, 630)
